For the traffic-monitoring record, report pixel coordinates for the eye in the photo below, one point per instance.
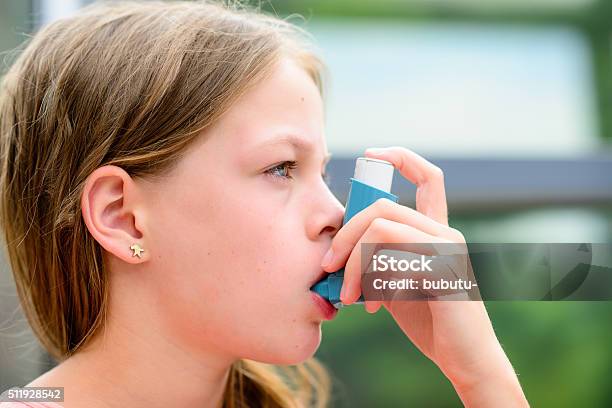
(282, 170)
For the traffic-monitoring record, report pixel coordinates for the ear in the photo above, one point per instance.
(113, 212)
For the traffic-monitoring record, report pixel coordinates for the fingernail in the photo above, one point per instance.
(329, 255)
(343, 291)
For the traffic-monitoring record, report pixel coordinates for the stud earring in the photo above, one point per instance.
(137, 250)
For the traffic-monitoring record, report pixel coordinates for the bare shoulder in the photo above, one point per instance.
(55, 377)
(82, 387)
(52, 378)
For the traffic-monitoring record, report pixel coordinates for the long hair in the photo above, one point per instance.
(130, 84)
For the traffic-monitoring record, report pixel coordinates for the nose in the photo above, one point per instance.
(325, 216)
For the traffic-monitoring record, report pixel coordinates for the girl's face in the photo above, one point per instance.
(237, 236)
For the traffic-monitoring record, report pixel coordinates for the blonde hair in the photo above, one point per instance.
(129, 84)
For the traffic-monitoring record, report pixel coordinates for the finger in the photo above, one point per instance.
(347, 237)
(428, 178)
(372, 306)
(380, 230)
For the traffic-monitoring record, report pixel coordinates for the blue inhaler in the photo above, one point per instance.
(372, 180)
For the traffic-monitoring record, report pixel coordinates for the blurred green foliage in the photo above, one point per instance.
(560, 350)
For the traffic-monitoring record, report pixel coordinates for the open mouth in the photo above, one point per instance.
(328, 311)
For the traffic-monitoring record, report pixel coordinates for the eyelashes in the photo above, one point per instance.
(283, 170)
(286, 166)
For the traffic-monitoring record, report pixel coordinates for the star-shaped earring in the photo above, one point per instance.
(137, 250)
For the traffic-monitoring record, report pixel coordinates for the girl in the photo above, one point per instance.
(165, 214)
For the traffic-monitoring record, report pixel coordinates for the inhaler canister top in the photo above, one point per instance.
(374, 172)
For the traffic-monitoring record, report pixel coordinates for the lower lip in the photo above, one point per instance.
(327, 309)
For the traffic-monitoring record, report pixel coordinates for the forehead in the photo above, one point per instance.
(286, 102)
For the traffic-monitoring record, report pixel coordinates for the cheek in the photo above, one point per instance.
(229, 275)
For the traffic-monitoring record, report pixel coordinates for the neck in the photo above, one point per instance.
(131, 363)
(141, 373)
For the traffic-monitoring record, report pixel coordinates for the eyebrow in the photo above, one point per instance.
(297, 142)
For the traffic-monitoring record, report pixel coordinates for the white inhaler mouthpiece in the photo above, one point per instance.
(374, 172)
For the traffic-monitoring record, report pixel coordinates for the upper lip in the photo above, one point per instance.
(318, 278)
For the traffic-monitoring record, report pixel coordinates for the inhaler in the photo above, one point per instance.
(371, 181)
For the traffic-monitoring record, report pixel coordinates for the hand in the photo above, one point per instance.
(456, 335)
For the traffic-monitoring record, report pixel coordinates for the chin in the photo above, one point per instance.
(300, 346)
